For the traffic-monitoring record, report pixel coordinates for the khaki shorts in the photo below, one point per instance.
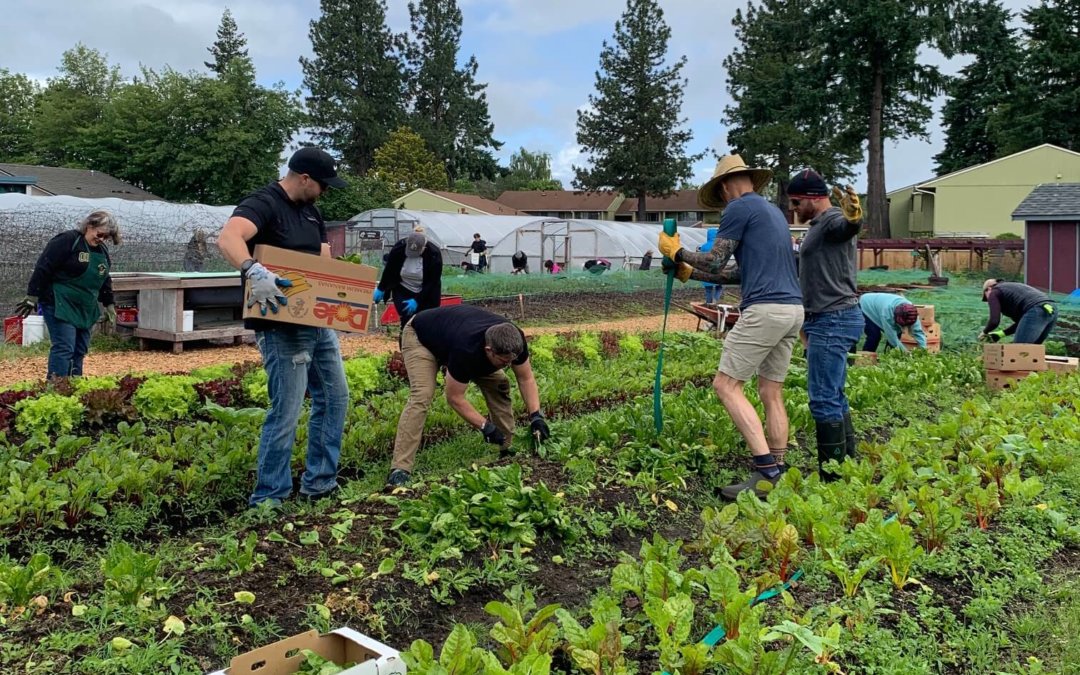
(761, 342)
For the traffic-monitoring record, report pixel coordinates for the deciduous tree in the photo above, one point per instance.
(405, 163)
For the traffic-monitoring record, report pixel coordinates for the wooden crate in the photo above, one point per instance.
(926, 314)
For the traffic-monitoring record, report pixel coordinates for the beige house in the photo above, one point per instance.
(564, 203)
(52, 181)
(452, 202)
(681, 205)
(979, 200)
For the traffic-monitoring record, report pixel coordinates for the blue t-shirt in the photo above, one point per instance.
(764, 254)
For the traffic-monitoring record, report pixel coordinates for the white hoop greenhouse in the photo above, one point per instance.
(569, 242)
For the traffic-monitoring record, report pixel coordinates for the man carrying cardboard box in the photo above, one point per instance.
(474, 345)
(297, 358)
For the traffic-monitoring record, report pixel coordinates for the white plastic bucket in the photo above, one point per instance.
(33, 329)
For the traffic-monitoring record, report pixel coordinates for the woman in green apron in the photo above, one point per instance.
(70, 279)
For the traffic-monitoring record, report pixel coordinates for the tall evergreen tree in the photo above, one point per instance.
(449, 107)
(784, 113)
(1045, 107)
(229, 45)
(18, 94)
(882, 86)
(355, 78)
(980, 91)
(633, 130)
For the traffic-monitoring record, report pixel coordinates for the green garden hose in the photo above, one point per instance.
(670, 228)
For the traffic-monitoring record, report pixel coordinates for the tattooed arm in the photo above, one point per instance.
(728, 276)
(713, 262)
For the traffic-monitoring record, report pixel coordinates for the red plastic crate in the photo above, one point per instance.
(13, 329)
(391, 315)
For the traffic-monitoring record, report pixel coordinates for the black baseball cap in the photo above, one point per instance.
(807, 183)
(318, 164)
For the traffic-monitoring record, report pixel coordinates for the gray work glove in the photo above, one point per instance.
(264, 287)
(26, 307)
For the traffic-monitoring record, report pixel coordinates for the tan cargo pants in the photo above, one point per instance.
(422, 368)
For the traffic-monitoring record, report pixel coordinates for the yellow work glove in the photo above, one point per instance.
(849, 203)
(683, 272)
(669, 245)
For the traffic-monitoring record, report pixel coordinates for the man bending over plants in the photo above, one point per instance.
(475, 346)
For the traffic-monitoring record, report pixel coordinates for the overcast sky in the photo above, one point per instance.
(538, 57)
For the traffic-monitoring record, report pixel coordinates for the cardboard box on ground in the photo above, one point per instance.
(326, 293)
(1063, 364)
(1014, 357)
(341, 646)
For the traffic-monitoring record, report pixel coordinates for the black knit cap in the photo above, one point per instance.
(807, 183)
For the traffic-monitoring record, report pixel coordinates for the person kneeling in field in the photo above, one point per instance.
(474, 345)
(889, 314)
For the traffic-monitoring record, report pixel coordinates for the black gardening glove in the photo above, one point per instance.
(492, 434)
(539, 427)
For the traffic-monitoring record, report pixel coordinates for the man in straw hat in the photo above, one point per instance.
(828, 263)
(757, 234)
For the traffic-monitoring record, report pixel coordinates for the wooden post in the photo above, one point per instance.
(521, 302)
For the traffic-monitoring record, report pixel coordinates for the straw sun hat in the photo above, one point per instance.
(710, 196)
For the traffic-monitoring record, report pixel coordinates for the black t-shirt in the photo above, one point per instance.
(455, 336)
(283, 223)
(479, 246)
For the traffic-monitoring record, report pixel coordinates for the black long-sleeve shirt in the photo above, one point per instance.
(431, 285)
(1013, 300)
(60, 262)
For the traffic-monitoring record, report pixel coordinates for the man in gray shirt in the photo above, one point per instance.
(828, 262)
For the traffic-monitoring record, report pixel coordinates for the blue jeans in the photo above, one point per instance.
(1035, 326)
(69, 345)
(713, 293)
(301, 359)
(829, 338)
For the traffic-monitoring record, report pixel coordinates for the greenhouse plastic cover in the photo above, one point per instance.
(570, 241)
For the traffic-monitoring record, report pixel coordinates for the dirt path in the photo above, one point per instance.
(119, 363)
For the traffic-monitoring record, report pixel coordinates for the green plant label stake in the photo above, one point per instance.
(670, 228)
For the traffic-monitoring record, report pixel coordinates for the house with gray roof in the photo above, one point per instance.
(54, 181)
(1051, 216)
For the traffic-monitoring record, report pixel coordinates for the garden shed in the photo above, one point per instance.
(570, 242)
(1051, 215)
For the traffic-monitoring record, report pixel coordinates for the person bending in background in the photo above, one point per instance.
(1032, 311)
(552, 267)
(889, 314)
(70, 279)
(520, 263)
(474, 345)
(412, 277)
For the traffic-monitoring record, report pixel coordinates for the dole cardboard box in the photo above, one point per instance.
(341, 646)
(1014, 357)
(326, 293)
